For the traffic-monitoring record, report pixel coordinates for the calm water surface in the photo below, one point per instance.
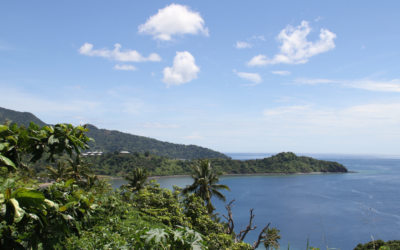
(340, 210)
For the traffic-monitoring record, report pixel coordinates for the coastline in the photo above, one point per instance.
(187, 175)
(42, 185)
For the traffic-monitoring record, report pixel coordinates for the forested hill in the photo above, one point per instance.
(110, 141)
(120, 164)
(19, 117)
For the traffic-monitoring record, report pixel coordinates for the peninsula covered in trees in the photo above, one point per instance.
(116, 164)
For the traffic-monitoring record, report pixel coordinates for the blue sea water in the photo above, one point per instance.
(334, 210)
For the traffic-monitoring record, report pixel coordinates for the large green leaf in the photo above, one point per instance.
(28, 198)
(9, 183)
(51, 140)
(69, 182)
(3, 128)
(157, 234)
(18, 212)
(7, 161)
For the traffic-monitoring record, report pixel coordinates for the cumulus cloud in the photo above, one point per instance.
(366, 84)
(242, 45)
(294, 48)
(116, 54)
(173, 20)
(125, 67)
(156, 125)
(253, 77)
(184, 69)
(282, 73)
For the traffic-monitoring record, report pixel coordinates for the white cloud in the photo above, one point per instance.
(317, 19)
(366, 115)
(258, 37)
(282, 73)
(156, 125)
(116, 54)
(173, 20)
(295, 49)
(125, 67)
(382, 86)
(195, 135)
(184, 69)
(242, 45)
(253, 77)
(314, 81)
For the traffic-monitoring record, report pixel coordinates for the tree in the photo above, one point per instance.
(137, 178)
(205, 184)
(147, 153)
(58, 174)
(78, 168)
(35, 141)
(271, 238)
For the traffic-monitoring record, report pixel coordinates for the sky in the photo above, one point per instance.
(233, 76)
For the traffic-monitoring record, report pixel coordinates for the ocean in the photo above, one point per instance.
(331, 210)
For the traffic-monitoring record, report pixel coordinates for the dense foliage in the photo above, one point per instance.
(82, 212)
(379, 244)
(111, 140)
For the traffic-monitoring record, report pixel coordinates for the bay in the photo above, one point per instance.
(334, 210)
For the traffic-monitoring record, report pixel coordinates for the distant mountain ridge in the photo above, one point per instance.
(112, 140)
(19, 117)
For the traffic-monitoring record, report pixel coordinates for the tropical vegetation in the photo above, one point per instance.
(81, 211)
(205, 184)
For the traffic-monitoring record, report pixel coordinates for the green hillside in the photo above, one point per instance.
(19, 117)
(112, 140)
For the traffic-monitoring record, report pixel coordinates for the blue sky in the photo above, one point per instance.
(234, 76)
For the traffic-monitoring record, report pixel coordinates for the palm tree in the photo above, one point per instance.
(271, 238)
(58, 174)
(103, 186)
(137, 178)
(91, 181)
(205, 184)
(78, 169)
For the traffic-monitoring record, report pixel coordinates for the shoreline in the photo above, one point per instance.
(187, 175)
(42, 185)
